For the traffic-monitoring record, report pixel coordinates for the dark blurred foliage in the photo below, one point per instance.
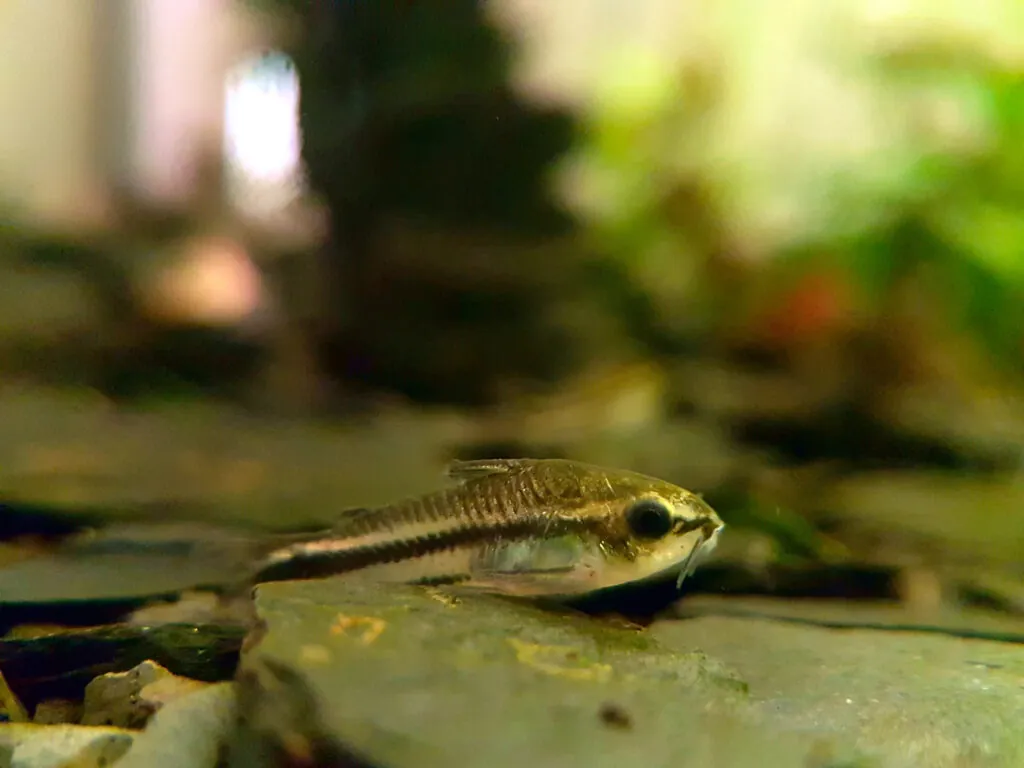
(407, 118)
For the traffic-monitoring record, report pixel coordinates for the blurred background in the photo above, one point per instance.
(274, 258)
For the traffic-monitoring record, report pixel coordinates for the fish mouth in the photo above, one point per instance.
(709, 530)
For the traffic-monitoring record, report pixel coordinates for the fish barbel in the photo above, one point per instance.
(526, 527)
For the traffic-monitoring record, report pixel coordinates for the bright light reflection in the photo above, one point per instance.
(263, 146)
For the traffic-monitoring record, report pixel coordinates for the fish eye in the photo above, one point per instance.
(649, 519)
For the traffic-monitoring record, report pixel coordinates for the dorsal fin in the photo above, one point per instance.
(464, 471)
(352, 517)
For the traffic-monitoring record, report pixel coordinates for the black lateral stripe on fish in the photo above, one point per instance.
(326, 557)
(523, 526)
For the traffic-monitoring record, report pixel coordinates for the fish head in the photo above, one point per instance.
(619, 527)
(656, 528)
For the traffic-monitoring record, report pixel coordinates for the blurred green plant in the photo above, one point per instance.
(842, 133)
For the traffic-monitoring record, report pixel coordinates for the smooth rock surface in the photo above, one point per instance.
(419, 677)
(906, 698)
(61, 746)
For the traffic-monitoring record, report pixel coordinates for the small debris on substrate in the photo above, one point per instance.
(615, 716)
(42, 664)
(57, 712)
(143, 717)
(129, 699)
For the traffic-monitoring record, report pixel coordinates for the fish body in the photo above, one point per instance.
(527, 527)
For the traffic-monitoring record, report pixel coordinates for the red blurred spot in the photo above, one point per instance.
(816, 307)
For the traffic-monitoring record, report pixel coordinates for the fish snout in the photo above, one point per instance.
(711, 528)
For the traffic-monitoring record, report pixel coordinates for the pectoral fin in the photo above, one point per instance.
(549, 555)
(536, 568)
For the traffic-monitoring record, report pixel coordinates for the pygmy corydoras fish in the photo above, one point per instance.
(526, 527)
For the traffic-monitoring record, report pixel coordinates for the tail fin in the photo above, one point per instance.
(141, 560)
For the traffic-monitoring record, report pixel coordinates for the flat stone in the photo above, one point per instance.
(905, 698)
(862, 614)
(191, 731)
(406, 676)
(28, 745)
